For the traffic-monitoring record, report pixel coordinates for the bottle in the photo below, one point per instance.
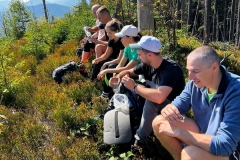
(88, 34)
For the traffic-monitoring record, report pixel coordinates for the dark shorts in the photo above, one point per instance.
(87, 46)
(235, 155)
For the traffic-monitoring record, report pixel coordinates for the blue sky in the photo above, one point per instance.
(68, 3)
(20, 0)
(52, 1)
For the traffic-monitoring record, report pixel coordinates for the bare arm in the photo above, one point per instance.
(98, 41)
(128, 72)
(158, 95)
(102, 42)
(95, 35)
(186, 131)
(93, 29)
(117, 60)
(122, 62)
(104, 71)
(130, 65)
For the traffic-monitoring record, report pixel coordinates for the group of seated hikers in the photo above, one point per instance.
(212, 93)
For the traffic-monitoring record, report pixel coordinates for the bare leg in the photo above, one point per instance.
(100, 50)
(172, 144)
(196, 153)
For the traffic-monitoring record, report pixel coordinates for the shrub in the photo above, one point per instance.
(39, 40)
(13, 80)
(22, 138)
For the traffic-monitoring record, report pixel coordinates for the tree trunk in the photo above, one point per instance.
(214, 25)
(238, 26)
(45, 10)
(189, 21)
(145, 15)
(217, 28)
(206, 24)
(225, 20)
(195, 19)
(183, 12)
(232, 20)
(118, 11)
(175, 9)
(179, 14)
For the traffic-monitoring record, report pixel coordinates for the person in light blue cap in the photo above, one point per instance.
(163, 75)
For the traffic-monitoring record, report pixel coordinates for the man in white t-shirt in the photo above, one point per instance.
(88, 47)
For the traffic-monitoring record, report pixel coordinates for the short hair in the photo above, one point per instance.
(96, 6)
(206, 54)
(114, 25)
(103, 10)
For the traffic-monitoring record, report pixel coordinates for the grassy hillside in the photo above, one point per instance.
(40, 119)
(45, 120)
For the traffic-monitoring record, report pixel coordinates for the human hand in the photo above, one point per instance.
(171, 113)
(88, 28)
(95, 61)
(128, 82)
(83, 40)
(92, 39)
(101, 74)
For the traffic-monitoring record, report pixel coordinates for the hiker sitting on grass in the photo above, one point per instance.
(129, 34)
(88, 47)
(213, 95)
(104, 17)
(113, 53)
(164, 76)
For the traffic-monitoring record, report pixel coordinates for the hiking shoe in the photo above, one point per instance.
(140, 144)
(138, 147)
(81, 67)
(135, 150)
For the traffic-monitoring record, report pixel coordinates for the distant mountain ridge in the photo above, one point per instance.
(69, 3)
(36, 7)
(53, 10)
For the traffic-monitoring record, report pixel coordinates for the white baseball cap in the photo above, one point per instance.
(149, 43)
(128, 30)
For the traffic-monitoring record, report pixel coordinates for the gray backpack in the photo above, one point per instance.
(117, 126)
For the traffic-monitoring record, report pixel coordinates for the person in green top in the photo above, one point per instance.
(129, 34)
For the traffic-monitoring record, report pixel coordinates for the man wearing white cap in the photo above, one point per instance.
(164, 76)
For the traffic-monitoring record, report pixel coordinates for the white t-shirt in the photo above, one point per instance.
(101, 32)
